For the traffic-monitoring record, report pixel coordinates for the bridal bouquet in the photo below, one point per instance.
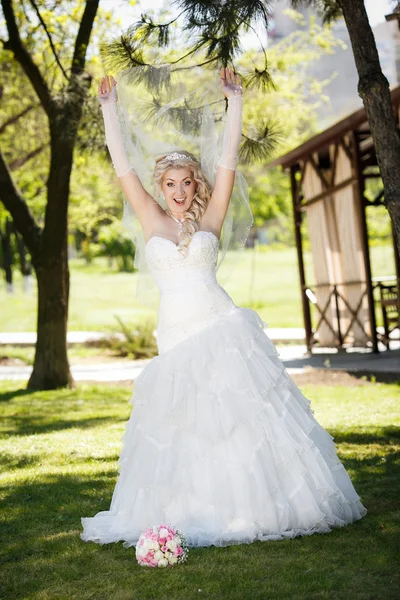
(161, 546)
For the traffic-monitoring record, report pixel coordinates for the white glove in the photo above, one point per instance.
(115, 140)
(232, 90)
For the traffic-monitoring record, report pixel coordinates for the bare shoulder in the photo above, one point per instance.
(153, 219)
(211, 222)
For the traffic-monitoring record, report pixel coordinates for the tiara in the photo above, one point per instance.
(176, 156)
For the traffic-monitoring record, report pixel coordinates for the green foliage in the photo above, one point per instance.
(292, 106)
(95, 202)
(24, 131)
(135, 342)
(24, 134)
(116, 243)
(209, 31)
(329, 10)
(379, 224)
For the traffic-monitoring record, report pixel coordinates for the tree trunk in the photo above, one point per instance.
(7, 253)
(373, 88)
(51, 367)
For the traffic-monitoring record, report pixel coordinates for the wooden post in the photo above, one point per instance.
(397, 263)
(297, 216)
(364, 239)
(341, 340)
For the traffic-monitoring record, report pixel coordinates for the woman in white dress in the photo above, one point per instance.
(220, 442)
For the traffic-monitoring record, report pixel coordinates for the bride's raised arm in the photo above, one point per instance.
(144, 205)
(225, 177)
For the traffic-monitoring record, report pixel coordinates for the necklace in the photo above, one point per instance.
(180, 222)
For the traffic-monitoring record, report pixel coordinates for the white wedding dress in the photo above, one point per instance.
(220, 443)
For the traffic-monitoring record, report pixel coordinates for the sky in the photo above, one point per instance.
(377, 9)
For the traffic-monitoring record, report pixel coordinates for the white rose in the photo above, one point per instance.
(158, 555)
(171, 545)
(167, 554)
(156, 545)
(163, 562)
(173, 560)
(142, 551)
(148, 544)
(164, 532)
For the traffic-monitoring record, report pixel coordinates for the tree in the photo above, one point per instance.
(373, 88)
(216, 28)
(293, 103)
(61, 89)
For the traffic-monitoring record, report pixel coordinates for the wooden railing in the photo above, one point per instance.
(388, 300)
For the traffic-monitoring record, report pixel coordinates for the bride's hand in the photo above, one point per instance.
(231, 83)
(107, 89)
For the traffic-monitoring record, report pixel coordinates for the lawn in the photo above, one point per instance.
(266, 281)
(59, 453)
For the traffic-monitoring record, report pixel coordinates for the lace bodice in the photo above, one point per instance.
(190, 296)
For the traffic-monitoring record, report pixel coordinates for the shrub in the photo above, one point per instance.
(133, 342)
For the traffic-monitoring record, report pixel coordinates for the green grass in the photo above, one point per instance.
(76, 354)
(59, 455)
(266, 281)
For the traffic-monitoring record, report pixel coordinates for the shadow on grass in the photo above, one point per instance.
(10, 395)
(43, 550)
(13, 461)
(35, 425)
(53, 505)
(385, 436)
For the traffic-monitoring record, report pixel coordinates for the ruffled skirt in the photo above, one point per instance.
(222, 444)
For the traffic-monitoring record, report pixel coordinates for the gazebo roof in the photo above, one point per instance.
(350, 123)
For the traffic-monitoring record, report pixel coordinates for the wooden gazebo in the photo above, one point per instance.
(328, 176)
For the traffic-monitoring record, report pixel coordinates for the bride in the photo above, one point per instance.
(220, 442)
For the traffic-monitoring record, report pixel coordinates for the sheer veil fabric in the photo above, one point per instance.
(161, 112)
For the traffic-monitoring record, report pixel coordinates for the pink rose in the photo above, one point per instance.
(179, 551)
(162, 541)
(170, 536)
(164, 548)
(154, 537)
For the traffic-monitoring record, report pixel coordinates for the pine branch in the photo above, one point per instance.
(186, 117)
(261, 142)
(146, 29)
(259, 79)
(123, 53)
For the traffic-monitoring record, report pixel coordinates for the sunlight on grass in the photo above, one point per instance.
(267, 281)
(59, 453)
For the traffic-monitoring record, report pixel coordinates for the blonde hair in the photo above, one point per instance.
(201, 197)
